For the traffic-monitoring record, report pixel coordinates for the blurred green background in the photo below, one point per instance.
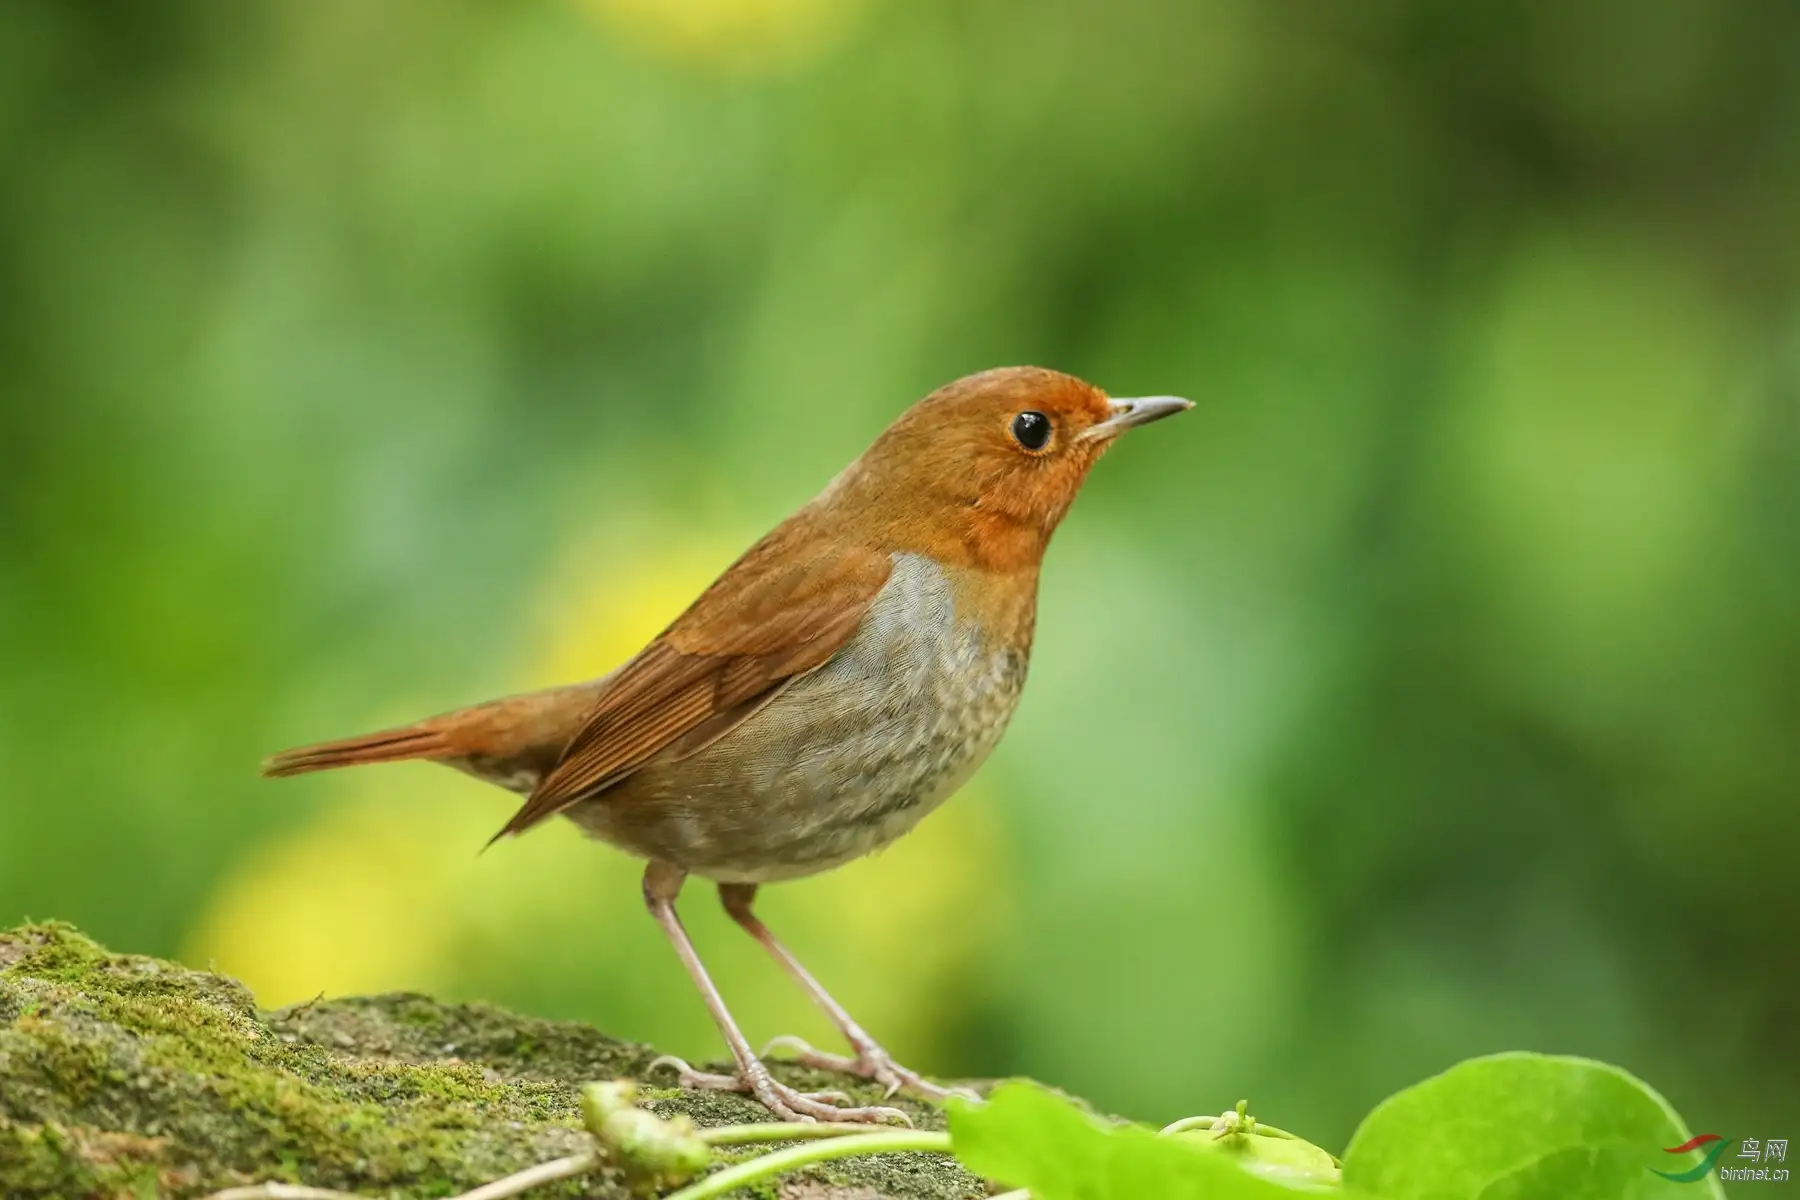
(1433, 689)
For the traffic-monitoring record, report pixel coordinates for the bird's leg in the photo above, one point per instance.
(662, 883)
(871, 1061)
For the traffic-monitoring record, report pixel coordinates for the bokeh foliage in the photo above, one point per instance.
(1433, 689)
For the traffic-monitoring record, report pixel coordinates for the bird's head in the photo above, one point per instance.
(986, 467)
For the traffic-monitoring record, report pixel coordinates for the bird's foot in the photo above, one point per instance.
(785, 1102)
(872, 1063)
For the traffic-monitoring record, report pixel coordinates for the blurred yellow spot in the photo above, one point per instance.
(352, 903)
(738, 34)
(385, 890)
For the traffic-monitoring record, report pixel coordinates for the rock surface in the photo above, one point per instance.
(133, 1077)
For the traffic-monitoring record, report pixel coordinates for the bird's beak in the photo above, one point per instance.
(1139, 410)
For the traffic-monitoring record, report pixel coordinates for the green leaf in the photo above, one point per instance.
(1026, 1136)
(1519, 1126)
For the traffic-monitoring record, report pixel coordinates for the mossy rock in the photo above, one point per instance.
(133, 1077)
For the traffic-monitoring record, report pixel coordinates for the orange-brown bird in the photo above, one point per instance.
(833, 686)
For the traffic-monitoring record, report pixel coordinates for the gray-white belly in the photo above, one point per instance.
(841, 762)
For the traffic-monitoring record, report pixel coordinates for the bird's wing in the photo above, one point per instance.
(776, 614)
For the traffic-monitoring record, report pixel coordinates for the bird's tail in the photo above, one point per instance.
(427, 739)
(495, 741)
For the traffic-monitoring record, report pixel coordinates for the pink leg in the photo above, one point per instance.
(871, 1061)
(662, 883)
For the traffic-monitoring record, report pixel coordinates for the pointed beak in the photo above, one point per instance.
(1132, 411)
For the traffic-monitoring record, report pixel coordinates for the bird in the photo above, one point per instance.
(832, 687)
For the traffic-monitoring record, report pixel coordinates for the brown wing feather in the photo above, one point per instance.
(776, 614)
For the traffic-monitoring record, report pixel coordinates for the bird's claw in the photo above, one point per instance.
(871, 1063)
(804, 1052)
(790, 1104)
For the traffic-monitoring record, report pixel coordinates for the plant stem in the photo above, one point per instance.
(1206, 1122)
(778, 1131)
(1187, 1123)
(767, 1166)
(500, 1189)
(530, 1177)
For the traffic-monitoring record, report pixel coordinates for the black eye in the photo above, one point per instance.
(1031, 429)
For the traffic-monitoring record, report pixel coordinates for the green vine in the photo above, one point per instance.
(767, 1166)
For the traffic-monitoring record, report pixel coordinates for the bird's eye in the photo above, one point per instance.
(1031, 430)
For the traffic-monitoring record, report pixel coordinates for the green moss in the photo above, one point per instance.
(128, 1076)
